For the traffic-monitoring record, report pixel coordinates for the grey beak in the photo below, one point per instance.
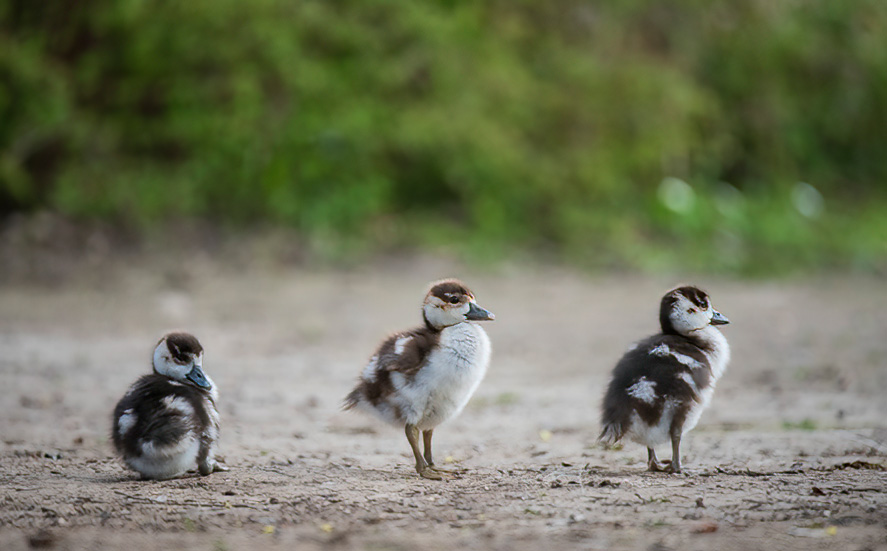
(476, 313)
(718, 318)
(197, 377)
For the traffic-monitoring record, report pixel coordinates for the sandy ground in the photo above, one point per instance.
(791, 454)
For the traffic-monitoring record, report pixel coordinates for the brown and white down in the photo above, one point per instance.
(420, 378)
(661, 386)
(167, 423)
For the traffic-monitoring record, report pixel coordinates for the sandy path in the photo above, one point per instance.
(790, 455)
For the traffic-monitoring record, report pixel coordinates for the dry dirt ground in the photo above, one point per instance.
(791, 454)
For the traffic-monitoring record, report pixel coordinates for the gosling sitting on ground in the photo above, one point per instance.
(167, 423)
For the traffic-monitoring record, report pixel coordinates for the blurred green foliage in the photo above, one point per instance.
(627, 134)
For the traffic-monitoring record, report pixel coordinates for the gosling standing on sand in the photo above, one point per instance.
(420, 378)
(662, 384)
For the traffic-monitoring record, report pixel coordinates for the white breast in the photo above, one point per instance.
(718, 351)
(442, 388)
(718, 357)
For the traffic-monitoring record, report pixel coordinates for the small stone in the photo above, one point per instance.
(604, 483)
(705, 527)
(43, 539)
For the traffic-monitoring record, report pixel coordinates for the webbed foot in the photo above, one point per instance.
(432, 473)
(455, 471)
(208, 468)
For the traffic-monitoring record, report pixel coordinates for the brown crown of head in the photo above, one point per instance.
(447, 288)
(182, 346)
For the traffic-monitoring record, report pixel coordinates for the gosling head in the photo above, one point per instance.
(686, 310)
(450, 302)
(179, 356)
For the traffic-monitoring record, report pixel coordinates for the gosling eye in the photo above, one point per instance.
(454, 300)
(691, 310)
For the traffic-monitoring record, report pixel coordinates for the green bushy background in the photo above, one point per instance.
(718, 135)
